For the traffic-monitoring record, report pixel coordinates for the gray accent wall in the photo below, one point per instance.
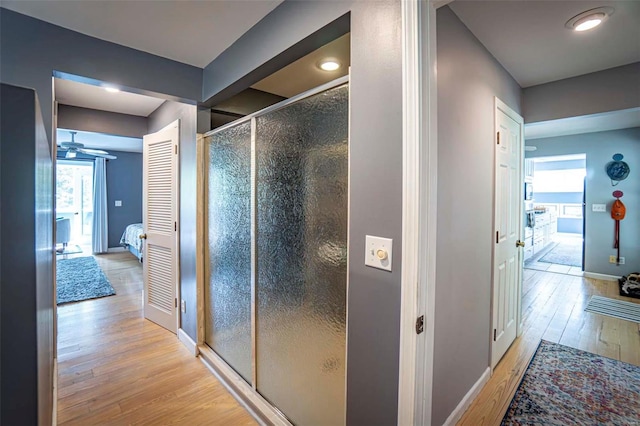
(32, 50)
(161, 117)
(468, 79)
(599, 148)
(603, 91)
(376, 150)
(26, 262)
(124, 183)
(110, 123)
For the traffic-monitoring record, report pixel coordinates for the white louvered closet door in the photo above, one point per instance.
(160, 217)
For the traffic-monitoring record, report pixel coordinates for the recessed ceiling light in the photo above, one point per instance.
(112, 89)
(589, 19)
(329, 65)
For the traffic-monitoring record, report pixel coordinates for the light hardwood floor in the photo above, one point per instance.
(115, 367)
(553, 310)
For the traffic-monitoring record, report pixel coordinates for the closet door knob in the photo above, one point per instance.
(143, 236)
(519, 243)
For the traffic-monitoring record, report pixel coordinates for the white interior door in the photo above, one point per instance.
(160, 222)
(507, 268)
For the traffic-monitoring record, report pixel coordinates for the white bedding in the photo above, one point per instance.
(131, 236)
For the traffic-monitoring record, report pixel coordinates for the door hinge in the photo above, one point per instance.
(176, 300)
(420, 324)
(498, 137)
(497, 237)
(494, 334)
(175, 226)
(176, 149)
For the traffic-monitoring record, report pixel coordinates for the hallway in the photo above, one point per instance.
(553, 310)
(115, 367)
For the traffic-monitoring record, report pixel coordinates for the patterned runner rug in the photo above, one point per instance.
(566, 252)
(567, 386)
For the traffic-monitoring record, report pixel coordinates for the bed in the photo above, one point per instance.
(131, 239)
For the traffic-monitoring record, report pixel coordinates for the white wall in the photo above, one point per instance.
(468, 79)
(599, 148)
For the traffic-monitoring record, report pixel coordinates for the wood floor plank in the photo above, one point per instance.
(115, 367)
(553, 309)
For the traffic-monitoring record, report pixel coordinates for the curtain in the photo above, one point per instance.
(100, 228)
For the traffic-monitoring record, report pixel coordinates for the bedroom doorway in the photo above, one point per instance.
(74, 205)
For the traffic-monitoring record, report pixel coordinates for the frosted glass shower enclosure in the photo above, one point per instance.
(276, 276)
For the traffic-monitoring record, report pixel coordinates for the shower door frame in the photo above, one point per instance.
(244, 392)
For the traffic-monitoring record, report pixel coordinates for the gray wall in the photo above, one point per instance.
(609, 90)
(163, 116)
(376, 144)
(26, 263)
(33, 49)
(599, 148)
(124, 182)
(468, 79)
(111, 123)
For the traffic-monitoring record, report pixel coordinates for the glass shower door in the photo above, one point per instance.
(302, 193)
(275, 300)
(228, 293)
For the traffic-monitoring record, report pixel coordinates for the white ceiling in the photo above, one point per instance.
(530, 40)
(85, 95)
(193, 32)
(101, 141)
(601, 122)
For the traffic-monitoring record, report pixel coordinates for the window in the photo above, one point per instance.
(569, 180)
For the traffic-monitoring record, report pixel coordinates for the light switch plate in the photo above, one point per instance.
(375, 248)
(599, 207)
(118, 203)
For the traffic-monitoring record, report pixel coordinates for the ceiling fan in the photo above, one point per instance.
(72, 147)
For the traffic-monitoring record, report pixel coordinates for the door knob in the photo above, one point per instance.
(519, 243)
(143, 236)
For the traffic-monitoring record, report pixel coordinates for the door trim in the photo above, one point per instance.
(499, 105)
(419, 211)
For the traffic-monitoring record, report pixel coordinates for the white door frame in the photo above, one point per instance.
(419, 210)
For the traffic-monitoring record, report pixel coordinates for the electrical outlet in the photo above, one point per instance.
(183, 306)
(614, 259)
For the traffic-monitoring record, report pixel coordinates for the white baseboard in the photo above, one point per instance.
(456, 415)
(188, 342)
(596, 276)
(116, 249)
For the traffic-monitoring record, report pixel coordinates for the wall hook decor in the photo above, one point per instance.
(617, 169)
(618, 211)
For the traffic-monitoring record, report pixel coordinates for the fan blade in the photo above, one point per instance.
(62, 148)
(93, 151)
(97, 153)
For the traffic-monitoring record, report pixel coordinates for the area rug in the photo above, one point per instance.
(81, 278)
(614, 308)
(567, 252)
(69, 249)
(566, 386)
